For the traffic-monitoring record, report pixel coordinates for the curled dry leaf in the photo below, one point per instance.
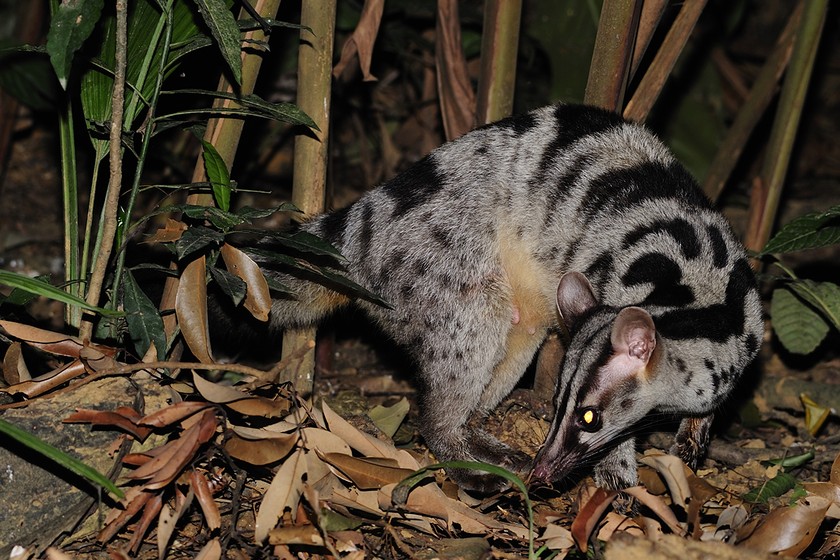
(47, 381)
(302, 534)
(240, 401)
(50, 341)
(191, 309)
(283, 492)
(257, 295)
(672, 470)
(658, 506)
(364, 443)
(123, 418)
(557, 537)
(201, 487)
(362, 39)
(614, 522)
(169, 233)
(14, 366)
(589, 515)
(217, 393)
(151, 511)
(789, 530)
(172, 414)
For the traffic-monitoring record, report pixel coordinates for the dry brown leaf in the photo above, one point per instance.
(260, 406)
(659, 507)
(201, 487)
(366, 474)
(257, 296)
(789, 530)
(191, 309)
(426, 499)
(701, 492)
(14, 366)
(835, 471)
(261, 451)
(366, 502)
(172, 414)
(362, 39)
(303, 534)
(170, 233)
(95, 360)
(557, 537)
(616, 522)
(168, 520)
(50, 341)
(672, 470)
(457, 99)
(123, 418)
(210, 551)
(216, 392)
(283, 492)
(47, 381)
(830, 492)
(364, 443)
(651, 480)
(278, 429)
(589, 515)
(151, 510)
(323, 441)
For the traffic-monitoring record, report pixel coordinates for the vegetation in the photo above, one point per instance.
(158, 185)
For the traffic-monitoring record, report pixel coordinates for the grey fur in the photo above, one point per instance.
(469, 245)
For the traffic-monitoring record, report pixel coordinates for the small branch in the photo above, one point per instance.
(112, 197)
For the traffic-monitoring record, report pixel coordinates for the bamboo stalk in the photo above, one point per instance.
(652, 11)
(650, 87)
(499, 47)
(761, 94)
(613, 53)
(767, 190)
(310, 164)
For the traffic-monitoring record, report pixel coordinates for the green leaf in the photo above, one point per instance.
(305, 242)
(799, 328)
(225, 31)
(61, 458)
(249, 214)
(825, 296)
(276, 286)
(793, 462)
(810, 231)
(196, 239)
(220, 218)
(773, 488)
(71, 25)
(230, 284)
(42, 288)
(145, 325)
(253, 104)
(217, 173)
(389, 418)
(29, 78)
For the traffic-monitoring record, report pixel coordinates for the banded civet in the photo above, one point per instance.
(565, 211)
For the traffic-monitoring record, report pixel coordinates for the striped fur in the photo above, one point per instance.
(469, 245)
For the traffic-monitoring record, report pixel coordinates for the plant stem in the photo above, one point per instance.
(499, 46)
(762, 92)
(70, 187)
(311, 150)
(767, 190)
(613, 53)
(112, 196)
(650, 87)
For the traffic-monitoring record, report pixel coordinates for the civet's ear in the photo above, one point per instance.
(574, 298)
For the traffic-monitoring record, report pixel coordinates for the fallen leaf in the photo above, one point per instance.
(172, 414)
(389, 418)
(589, 515)
(789, 530)
(14, 366)
(210, 551)
(659, 507)
(303, 534)
(261, 451)
(50, 341)
(557, 537)
(672, 470)
(201, 487)
(829, 491)
(283, 492)
(168, 520)
(364, 443)
(123, 418)
(362, 40)
(366, 474)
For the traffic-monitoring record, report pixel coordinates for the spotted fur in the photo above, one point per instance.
(469, 245)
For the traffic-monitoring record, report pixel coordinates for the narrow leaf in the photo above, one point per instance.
(799, 328)
(217, 173)
(145, 325)
(196, 239)
(72, 23)
(68, 462)
(225, 31)
(42, 288)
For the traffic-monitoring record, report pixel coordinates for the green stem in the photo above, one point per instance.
(70, 190)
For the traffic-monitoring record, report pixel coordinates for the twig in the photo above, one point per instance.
(112, 198)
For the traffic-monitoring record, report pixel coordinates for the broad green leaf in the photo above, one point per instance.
(197, 239)
(305, 242)
(773, 488)
(42, 288)
(217, 173)
(61, 458)
(145, 325)
(216, 216)
(225, 31)
(72, 23)
(799, 328)
(810, 231)
(249, 214)
(824, 296)
(230, 284)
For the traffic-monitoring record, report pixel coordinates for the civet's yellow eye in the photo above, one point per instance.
(589, 419)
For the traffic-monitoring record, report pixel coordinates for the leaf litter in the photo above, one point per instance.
(251, 466)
